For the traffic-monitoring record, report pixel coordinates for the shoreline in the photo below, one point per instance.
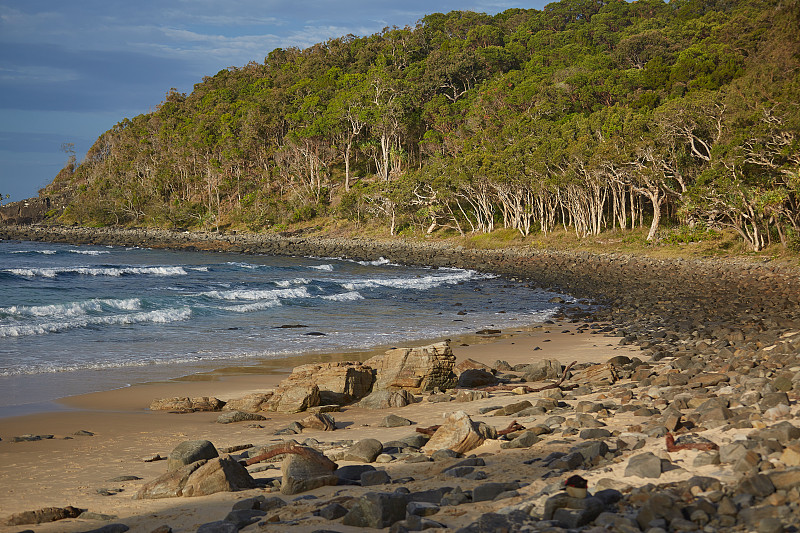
(707, 335)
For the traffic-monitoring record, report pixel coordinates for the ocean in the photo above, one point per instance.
(79, 319)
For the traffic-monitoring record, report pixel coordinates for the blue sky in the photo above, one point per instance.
(71, 70)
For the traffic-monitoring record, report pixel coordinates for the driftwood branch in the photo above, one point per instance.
(428, 430)
(672, 447)
(305, 451)
(512, 427)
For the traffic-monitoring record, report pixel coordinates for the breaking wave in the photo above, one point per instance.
(71, 309)
(97, 271)
(154, 317)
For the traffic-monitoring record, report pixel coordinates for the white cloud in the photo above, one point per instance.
(37, 74)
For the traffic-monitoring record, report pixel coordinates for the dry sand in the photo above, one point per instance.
(69, 470)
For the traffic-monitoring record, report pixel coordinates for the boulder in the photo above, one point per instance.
(187, 405)
(169, 484)
(364, 451)
(308, 471)
(252, 403)
(385, 399)
(544, 369)
(470, 364)
(377, 510)
(238, 416)
(470, 395)
(41, 516)
(644, 465)
(415, 369)
(472, 378)
(394, 421)
(190, 451)
(221, 474)
(320, 421)
(458, 433)
(293, 398)
(572, 512)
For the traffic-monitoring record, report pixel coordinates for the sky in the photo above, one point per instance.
(71, 70)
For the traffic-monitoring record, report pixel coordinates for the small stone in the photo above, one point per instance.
(393, 421)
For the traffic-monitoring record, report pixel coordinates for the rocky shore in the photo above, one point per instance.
(695, 428)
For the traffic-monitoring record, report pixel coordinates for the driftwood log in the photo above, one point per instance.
(672, 447)
(295, 449)
(512, 427)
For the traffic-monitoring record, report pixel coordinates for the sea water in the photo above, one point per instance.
(77, 319)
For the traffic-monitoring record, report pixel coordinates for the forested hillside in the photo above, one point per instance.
(590, 115)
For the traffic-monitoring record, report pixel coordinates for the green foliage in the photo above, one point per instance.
(590, 115)
(686, 234)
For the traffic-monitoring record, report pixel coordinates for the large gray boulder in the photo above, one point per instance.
(306, 471)
(544, 369)
(364, 451)
(190, 451)
(221, 474)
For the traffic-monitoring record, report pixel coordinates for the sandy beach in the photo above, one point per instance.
(69, 469)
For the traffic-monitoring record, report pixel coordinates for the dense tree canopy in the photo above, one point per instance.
(588, 114)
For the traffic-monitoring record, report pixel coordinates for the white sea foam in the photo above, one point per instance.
(43, 252)
(247, 266)
(249, 308)
(89, 252)
(98, 271)
(259, 294)
(350, 296)
(289, 282)
(378, 262)
(418, 283)
(72, 309)
(162, 316)
(326, 268)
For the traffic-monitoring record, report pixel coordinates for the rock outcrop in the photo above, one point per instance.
(415, 369)
(187, 405)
